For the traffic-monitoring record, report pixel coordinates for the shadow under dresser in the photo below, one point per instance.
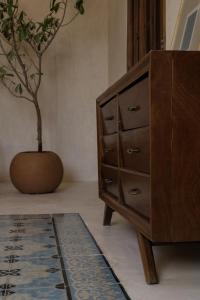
(148, 127)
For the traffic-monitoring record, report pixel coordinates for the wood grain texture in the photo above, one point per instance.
(141, 224)
(136, 193)
(108, 212)
(135, 147)
(175, 147)
(110, 181)
(109, 113)
(145, 28)
(134, 74)
(110, 149)
(168, 208)
(185, 199)
(134, 106)
(160, 143)
(147, 256)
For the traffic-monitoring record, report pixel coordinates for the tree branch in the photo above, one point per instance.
(57, 29)
(27, 85)
(32, 60)
(40, 75)
(12, 93)
(71, 20)
(11, 64)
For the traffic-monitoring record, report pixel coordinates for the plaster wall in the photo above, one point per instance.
(18, 118)
(85, 59)
(172, 12)
(75, 73)
(82, 75)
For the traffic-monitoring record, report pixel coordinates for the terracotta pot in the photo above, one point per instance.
(36, 172)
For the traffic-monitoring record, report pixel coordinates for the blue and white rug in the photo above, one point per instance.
(53, 258)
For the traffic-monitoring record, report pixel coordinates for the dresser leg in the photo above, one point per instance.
(108, 212)
(148, 261)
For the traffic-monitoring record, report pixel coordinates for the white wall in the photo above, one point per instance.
(18, 118)
(86, 58)
(82, 74)
(76, 72)
(172, 12)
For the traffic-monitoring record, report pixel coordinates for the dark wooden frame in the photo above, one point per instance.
(145, 28)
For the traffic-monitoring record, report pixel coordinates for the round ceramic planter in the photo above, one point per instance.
(36, 172)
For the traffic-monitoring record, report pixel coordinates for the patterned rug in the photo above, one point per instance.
(53, 258)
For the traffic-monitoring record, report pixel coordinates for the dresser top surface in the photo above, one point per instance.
(138, 71)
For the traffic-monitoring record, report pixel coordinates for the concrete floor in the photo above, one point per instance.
(178, 266)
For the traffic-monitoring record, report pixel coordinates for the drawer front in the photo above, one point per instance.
(136, 150)
(110, 150)
(134, 106)
(109, 114)
(110, 181)
(136, 191)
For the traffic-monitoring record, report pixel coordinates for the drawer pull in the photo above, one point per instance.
(134, 192)
(109, 118)
(106, 150)
(134, 108)
(133, 150)
(108, 180)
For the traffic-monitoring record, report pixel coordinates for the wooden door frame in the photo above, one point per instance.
(132, 35)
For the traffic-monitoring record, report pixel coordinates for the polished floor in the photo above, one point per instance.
(178, 266)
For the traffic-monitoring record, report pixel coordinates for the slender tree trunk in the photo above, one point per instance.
(39, 125)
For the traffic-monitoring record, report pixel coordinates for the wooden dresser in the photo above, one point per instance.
(149, 150)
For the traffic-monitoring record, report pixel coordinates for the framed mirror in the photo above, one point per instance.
(186, 32)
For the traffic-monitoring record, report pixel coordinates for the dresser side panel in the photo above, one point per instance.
(160, 144)
(185, 201)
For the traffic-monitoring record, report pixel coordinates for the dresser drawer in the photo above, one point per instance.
(110, 181)
(135, 149)
(136, 191)
(134, 106)
(109, 114)
(110, 150)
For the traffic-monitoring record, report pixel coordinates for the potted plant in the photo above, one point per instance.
(23, 43)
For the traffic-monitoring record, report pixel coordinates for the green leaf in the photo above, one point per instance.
(38, 37)
(2, 72)
(52, 4)
(18, 89)
(55, 6)
(21, 17)
(79, 6)
(23, 33)
(11, 55)
(10, 7)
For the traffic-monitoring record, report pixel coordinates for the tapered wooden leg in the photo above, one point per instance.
(108, 212)
(148, 261)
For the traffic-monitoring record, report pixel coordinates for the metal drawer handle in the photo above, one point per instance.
(134, 192)
(109, 118)
(134, 108)
(106, 150)
(108, 180)
(133, 150)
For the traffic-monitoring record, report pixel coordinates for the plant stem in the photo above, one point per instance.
(39, 47)
(39, 125)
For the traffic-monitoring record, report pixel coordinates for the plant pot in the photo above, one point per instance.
(36, 172)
